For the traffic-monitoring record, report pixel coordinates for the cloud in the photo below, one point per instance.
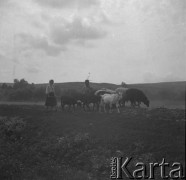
(168, 77)
(78, 29)
(4, 2)
(1, 57)
(150, 77)
(32, 69)
(171, 77)
(4, 57)
(67, 3)
(40, 43)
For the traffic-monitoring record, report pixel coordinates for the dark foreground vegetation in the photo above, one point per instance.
(41, 145)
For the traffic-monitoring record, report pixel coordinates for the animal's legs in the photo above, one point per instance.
(62, 106)
(110, 108)
(123, 103)
(97, 105)
(69, 107)
(104, 108)
(132, 104)
(100, 107)
(117, 106)
(93, 107)
(88, 107)
(138, 103)
(84, 107)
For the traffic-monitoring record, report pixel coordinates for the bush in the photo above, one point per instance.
(11, 128)
(20, 84)
(38, 93)
(22, 91)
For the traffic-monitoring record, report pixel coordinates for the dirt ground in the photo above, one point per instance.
(40, 145)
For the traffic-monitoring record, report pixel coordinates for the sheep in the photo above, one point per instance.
(90, 98)
(71, 97)
(104, 91)
(109, 91)
(136, 96)
(111, 99)
(95, 97)
(68, 100)
(123, 91)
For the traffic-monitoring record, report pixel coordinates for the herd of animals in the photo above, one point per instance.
(105, 99)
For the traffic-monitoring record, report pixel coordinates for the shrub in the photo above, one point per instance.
(12, 128)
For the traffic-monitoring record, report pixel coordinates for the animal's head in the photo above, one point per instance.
(120, 95)
(147, 102)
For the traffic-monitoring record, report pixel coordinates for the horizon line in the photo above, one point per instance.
(103, 82)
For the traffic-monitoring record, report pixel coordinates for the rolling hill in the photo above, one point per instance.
(173, 90)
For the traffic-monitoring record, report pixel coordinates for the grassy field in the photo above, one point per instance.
(41, 145)
(153, 104)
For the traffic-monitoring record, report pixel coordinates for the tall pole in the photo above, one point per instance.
(15, 57)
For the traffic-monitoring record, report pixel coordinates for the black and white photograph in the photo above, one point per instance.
(92, 89)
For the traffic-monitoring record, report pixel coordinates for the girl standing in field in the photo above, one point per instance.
(50, 95)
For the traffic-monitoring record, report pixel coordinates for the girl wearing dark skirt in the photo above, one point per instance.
(50, 96)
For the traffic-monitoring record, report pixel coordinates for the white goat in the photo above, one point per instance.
(110, 99)
(123, 91)
(104, 91)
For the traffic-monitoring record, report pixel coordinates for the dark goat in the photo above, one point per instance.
(68, 100)
(90, 98)
(136, 96)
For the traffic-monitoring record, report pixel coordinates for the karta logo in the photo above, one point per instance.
(120, 168)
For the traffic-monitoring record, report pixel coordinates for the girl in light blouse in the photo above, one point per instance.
(50, 95)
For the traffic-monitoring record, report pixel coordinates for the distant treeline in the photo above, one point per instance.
(21, 90)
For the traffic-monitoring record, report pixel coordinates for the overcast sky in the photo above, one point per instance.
(134, 41)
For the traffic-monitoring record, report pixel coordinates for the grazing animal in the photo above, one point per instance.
(104, 91)
(111, 99)
(68, 100)
(90, 98)
(109, 91)
(136, 96)
(123, 91)
(79, 103)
